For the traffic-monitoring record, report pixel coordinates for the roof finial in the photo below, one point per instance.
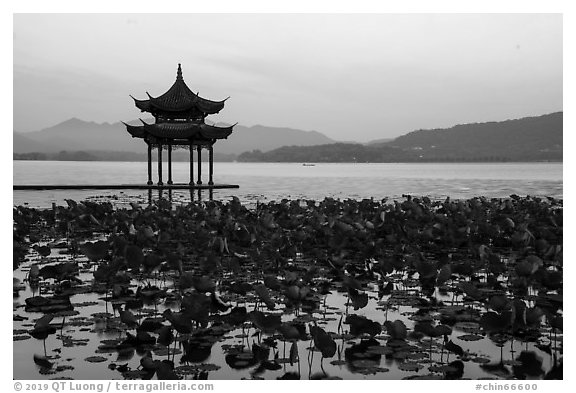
(179, 73)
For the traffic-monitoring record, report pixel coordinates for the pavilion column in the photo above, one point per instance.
(169, 163)
(149, 164)
(191, 164)
(211, 165)
(160, 164)
(199, 149)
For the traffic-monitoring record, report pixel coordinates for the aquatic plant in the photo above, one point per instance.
(259, 283)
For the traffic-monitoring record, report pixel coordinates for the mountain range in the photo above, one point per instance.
(527, 139)
(75, 135)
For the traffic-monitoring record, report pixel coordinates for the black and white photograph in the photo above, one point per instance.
(287, 196)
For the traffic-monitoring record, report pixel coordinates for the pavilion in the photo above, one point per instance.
(179, 122)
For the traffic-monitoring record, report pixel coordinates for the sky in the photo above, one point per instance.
(353, 77)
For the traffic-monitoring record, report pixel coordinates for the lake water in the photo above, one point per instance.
(80, 335)
(274, 181)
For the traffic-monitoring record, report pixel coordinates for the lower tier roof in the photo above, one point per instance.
(173, 131)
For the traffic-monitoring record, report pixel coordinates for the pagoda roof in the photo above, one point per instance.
(179, 98)
(184, 130)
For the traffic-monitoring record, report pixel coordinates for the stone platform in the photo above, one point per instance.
(123, 186)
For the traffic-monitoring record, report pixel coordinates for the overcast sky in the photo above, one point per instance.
(350, 76)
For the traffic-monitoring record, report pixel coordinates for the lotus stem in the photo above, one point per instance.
(299, 373)
(284, 354)
(174, 352)
(62, 327)
(555, 340)
(347, 302)
(310, 361)
(442, 353)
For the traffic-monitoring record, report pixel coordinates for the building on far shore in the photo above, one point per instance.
(179, 123)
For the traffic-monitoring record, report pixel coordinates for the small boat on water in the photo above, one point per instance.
(306, 164)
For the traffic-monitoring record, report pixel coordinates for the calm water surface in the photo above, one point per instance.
(274, 181)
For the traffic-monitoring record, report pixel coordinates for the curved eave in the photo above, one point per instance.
(135, 131)
(210, 107)
(211, 132)
(143, 105)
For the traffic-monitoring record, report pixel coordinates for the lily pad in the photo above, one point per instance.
(408, 366)
(442, 369)
(96, 359)
(208, 367)
(167, 351)
(134, 374)
(470, 337)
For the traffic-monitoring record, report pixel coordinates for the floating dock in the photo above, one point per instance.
(40, 187)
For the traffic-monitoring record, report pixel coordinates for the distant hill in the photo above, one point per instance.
(336, 152)
(75, 135)
(27, 145)
(378, 141)
(267, 138)
(529, 138)
(78, 135)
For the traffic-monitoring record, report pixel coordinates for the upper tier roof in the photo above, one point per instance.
(179, 99)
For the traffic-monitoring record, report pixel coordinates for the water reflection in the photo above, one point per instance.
(193, 194)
